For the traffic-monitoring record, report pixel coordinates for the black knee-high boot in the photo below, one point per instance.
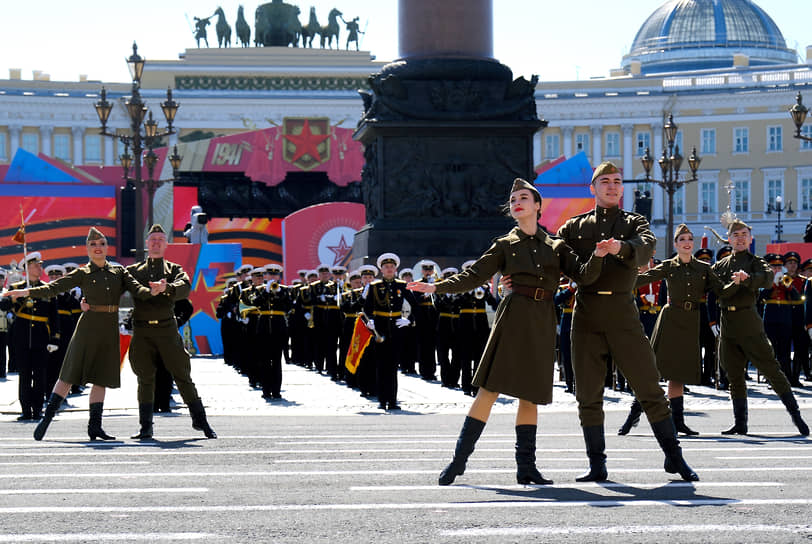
(595, 448)
(94, 428)
(678, 414)
(739, 417)
(54, 402)
(469, 434)
(795, 413)
(199, 421)
(666, 436)
(632, 419)
(526, 471)
(145, 420)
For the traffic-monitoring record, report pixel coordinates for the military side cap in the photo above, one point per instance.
(34, 257)
(774, 259)
(792, 256)
(681, 229)
(806, 264)
(368, 270)
(738, 224)
(519, 184)
(406, 271)
(156, 228)
(55, 268)
(703, 254)
(354, 274)
(323, 268)
(723, 252)
(95, 234)
(339, 270)
(273, 268)
(388, 258)
(604, 168)
(449, 271)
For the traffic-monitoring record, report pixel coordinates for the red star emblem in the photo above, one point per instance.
(341, 251)
(204, 298)
(306, 142)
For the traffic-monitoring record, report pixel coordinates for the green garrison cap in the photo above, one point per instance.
(606, 167)
(95, 234)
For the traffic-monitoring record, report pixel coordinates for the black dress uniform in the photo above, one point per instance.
(352, 304)
(274, 306)
(743, 337)
(36, 325)
(776, 302)
(473, 332)
(447, 306)
(565, 301)
(227, 313)
(67, 308)
(800, 339)
(426, 323)
(328, 322)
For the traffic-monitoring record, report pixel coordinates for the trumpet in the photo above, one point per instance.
(273, 286)
(479, 293)
(245, 309)
(786, 280)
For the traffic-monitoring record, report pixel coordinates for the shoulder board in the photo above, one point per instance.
(581, 215)
(400, 282)
(376, 282)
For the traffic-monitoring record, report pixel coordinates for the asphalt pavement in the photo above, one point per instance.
(326, 465)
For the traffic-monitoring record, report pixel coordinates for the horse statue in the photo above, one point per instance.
(223, 29)
(331, 30)
(309, 32)
(242, 28)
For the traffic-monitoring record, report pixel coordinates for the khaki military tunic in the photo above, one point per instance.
(605, 318)
(520, 352)
(93, 354)
(742, 330)
(676, 334)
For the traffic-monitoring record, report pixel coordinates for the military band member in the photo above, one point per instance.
(800, 340)
(742, 331)
(4, 324)
(301, 318)
(675, 339)
(473, 330)
(776, 303)
(606, 323)
(707, 340)
(66, 308)
(256, 338)
(93, 352)
(519, 356)
(565, 301)
(274, 309)
(426, 319)
(384, 308)
(409, 353)
(365, 374)
(352, 303)
(447, 319)
(156, 336)
(326, 320)
(34, 334)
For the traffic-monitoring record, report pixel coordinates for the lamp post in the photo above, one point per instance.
(798, 113)
(670, 164)
(143, 136)
(778, 208)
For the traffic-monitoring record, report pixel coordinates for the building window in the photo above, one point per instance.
(775, 187)
(92, 148)
(806, 193)
(741, 140)
(3, 146)
(551, 146)
(806, 130)
(62, 146)
(741, 197)
(613, 144)
(708, 141)
(582, 143)
(774, 142)
(30, 142)
(679, 201)
(707, 197)
(643, 143)
(677, 142)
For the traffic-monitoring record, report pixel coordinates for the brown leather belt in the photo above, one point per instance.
(536, 293)
(106, 308)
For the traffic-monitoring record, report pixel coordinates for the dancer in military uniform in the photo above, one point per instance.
(34, 336)
(606, 323)
(742, 332)
(155, 334)
(519, 356)
(93, 354)
(675, 339)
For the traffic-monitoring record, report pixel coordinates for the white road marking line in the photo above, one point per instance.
(626, 529)
(765, 457)
(541, 503)
(385, 472)
(81, 463)
(104, 491)
(425, 460)
(565, 485)
(106, 537)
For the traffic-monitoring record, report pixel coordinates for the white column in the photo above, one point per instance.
(46, 133)
(658, 205)
(537, 147)
(628, 155)
(109, 159)
(14, 132)
(567, 149)
(597, 146)
(78, 145)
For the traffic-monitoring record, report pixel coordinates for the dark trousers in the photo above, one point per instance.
(447, 357)
(31, 358)
(3, 343)
(427, 344)
(707, 343)
(152, 344)
(565, 352)
(470, 346)
(272, 371)
(780, 336)
(163, 387)
(386, 364)
(329, 331)
(800, 354)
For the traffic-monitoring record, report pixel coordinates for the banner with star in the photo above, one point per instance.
(298, 144)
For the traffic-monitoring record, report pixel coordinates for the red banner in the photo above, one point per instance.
(323, 233)
(361, 337)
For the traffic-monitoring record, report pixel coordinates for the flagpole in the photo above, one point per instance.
(25, 250)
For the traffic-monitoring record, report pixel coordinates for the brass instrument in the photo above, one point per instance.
(786, 280)
(479, 293)
(273, 286)
(310, 323)
(245, 309)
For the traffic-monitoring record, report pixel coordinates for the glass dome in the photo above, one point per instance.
(699, 34)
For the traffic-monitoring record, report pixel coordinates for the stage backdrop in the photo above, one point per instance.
(564, 188)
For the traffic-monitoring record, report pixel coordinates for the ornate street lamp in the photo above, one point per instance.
(142, 138)
(779, 207)
(798, 113)
(670, 163)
